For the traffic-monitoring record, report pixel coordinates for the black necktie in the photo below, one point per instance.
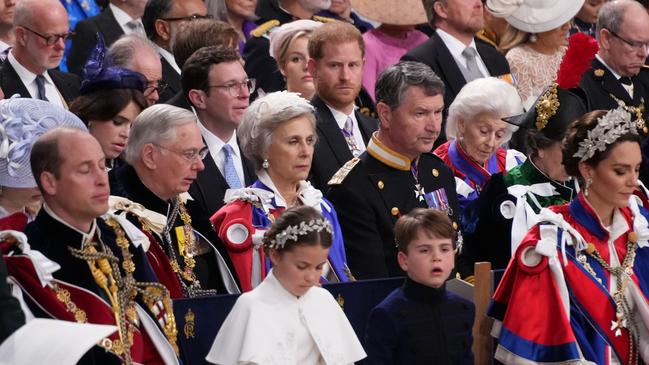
(626, 80)
(40, 84)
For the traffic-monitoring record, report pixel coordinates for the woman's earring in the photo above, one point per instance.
(265, 164)
(532, 38)
(589, 182)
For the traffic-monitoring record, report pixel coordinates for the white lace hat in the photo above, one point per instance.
(535, 16)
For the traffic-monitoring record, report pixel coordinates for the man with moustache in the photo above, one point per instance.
(164, 155)
(162, 19)
(396, 173)
(41, 28)
(454, 53)
(336, 58)
(218, 89)
(101, 259)
(273, 13)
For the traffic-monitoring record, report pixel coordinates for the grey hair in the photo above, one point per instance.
(24, 11)
(489, 95)
(611, 15)
(124, 49)
(430, 11)
(155, 124)
(262, 118)
(395, 80)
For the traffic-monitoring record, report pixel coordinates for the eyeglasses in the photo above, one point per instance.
(160, 86)
(234, 88)
(51, 39)
(187, 18)
(189, 155)
(633, 44)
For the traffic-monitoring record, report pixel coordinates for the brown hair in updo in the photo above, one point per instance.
(578, 132)
(293, 217)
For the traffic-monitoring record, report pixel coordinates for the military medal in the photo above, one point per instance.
(419, 192)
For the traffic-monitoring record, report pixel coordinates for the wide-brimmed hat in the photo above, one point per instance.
(22, 121)
(402, 12)
(535, 16)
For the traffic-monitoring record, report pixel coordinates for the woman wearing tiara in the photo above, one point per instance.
(277, 134)
(577, 288)
(288, 319)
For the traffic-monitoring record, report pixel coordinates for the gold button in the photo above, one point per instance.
(394, 211)
(455, 226)
(380, 184)
(435, 173)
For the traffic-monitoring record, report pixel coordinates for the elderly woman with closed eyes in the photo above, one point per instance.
(477, 130)
(278, 135)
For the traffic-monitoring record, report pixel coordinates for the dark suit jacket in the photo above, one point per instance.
(207, 192)
(331, 151)
(435, 54)
(85, 38)
(172, 78)
(67, 84)
(180, 101)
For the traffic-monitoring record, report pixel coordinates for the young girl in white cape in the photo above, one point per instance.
(288, 319)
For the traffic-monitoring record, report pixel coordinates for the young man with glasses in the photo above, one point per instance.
(218, 89)
(164, 156)
(41, 28)
(162, 19)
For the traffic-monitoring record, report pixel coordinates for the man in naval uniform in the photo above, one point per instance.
(396, 173)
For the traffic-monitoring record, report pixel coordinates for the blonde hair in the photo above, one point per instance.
(511, 38)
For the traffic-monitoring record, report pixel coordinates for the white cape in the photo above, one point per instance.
(261, 328)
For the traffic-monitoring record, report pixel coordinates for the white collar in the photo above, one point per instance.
(26, 76)
(341, 117)
(215, 144)
(170, 58)
(454, 45)
(619, 226)
(120, 15)
(87, 236)
(306, 193)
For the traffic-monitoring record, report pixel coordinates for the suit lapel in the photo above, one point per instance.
(367, 126)
(487, 60)
(64, 85)
(452, 74)
(11, 83)
(110, 29)
(611, 85)
(330, 132)
(211, 183)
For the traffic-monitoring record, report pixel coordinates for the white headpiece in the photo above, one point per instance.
(614, 124)
(304, 228)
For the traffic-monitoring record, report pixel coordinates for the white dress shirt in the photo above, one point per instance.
(455, 47)
(628, 88)
(170, 58)
(28, 79)
(341, 118)
(215, 145)
(123, 18)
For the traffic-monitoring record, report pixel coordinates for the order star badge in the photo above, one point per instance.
(419, 192)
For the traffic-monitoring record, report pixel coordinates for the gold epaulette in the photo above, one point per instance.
(264, 28)
(324, 19)
(646, 67)
(342, 173)
(483, 35)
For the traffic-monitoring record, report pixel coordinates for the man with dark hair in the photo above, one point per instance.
(162, 19)
(118, 18)
(103, 271)
(41, 28)
(218, 88)
(396, 173)
(453, 51)
(194, 36)
(337, 55)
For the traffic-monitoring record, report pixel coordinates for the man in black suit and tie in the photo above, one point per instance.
(162, 19)
(118, 18)
(453, 51)
(41, 28)
(218, 88)
(336, 52)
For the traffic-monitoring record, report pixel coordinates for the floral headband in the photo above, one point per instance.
(293, 232)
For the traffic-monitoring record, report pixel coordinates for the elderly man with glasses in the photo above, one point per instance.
(162, 19)
(164, 155)
(618, 75)
(41, 28)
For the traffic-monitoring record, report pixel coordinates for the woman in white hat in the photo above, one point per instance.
(396, 35)
(535, 40)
